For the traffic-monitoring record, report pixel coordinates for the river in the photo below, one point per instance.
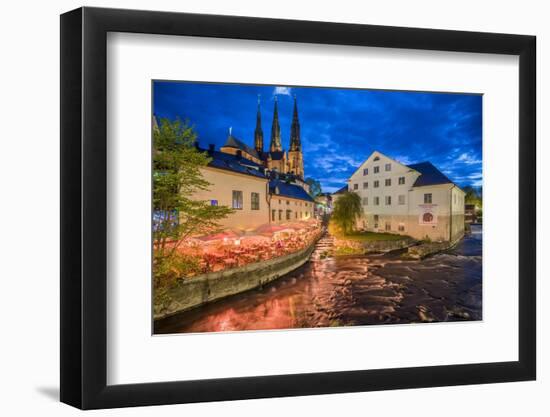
(350, 291)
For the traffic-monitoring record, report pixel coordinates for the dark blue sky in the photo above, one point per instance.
(340, 128)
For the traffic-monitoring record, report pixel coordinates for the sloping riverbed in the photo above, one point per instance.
(355, 290)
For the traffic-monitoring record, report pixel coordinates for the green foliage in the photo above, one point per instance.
(170, 268)
(314, 187)
(373, 236)
(347, 251)
(346, 211)
(362, 236)
(473, 196)
(176, 177)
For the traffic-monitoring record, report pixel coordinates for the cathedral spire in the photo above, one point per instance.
(258, 133)
(295, 143)
(275, 144)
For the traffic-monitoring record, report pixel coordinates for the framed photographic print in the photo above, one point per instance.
(257, 208)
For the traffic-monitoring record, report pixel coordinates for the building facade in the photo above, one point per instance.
(289, 202)
(416, 200)
(260, 186)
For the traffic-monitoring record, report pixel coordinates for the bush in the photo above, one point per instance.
(168, 269)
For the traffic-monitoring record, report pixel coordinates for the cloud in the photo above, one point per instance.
(468, 159)
(334, 163)
(281, 91)
(339, 127)
(405, 160)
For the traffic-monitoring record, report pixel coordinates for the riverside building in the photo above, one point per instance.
(417, 200)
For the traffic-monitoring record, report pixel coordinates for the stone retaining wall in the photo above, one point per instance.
(374, 245)
(196, 291)
(425, 249)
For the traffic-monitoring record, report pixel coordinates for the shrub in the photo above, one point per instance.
(167, 270)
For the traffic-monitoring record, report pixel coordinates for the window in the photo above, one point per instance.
(428, 198)
(237, 200)
(288, 214)
(296, 214)
(280, 214)
(388, 167)
(376, 169)
(401, 227)
(365, 201)
(376, 201)
(255, 201)
(388, 226)
(287, 202)
(366, 171)
(273, 215)
(365, 185)
(213, 202)
(376, 158)
(355, 186)
(388, 182)
(376, 221)
(401, 200)
(388, 200)
(376, 184)
(401, 180)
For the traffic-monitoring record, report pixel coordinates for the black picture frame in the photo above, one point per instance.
(84, 207)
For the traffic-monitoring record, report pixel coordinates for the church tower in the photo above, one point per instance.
(275, 145)
(295, 156)
(258, 132)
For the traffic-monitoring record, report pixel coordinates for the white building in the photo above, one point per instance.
(416, 200)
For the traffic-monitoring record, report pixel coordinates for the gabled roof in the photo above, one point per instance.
(341, 190)
(282, 188)
(378, 153)
(429, 175)
(233, 142)
(234, 163)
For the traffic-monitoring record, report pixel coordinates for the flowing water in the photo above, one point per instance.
(349, 291)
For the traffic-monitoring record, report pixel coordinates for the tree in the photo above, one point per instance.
(473, 196)
(176, 177)
(347, 209)
(314, 187)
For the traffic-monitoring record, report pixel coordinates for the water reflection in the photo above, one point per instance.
(360, 290)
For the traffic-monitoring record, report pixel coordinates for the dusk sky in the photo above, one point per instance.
(340, 128)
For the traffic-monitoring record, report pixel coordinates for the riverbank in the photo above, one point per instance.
(362, 243)
(351, 291)
(191, 293)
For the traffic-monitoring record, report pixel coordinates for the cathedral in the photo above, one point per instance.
(262, 186)
(275, 159)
